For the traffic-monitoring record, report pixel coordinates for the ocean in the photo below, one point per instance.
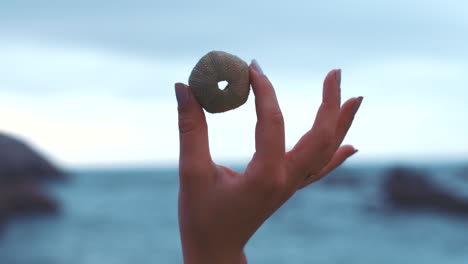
(117, 216)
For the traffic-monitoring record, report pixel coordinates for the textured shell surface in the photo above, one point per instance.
(219, 66)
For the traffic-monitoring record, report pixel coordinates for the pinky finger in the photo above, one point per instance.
(343, 153)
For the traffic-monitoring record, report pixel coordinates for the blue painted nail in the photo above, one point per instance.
(181, 94)
(338, 76)
(358, 103)
(257, 67)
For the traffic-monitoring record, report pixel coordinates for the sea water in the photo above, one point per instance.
(119, 216)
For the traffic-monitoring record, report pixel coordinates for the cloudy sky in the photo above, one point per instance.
(91, 82)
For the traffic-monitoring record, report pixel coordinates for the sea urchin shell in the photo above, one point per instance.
(219, 66)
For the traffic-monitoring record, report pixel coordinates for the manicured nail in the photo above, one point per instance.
(338, 76)
(358, 103)
(256, 67)
(181, 94)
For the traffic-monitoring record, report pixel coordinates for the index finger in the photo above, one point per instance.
(269, 132)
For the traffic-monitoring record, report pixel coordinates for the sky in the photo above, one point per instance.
(91, 82)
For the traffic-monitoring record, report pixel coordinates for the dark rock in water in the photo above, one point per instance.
(25, 198)
(19, 162)
(22, 173)
(412, 189)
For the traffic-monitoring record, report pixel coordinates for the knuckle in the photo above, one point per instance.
(278, 184)
(184, 171)
(275, 183)
(345, 124)
(277, 119)
(295, 168)
(326, 139)
(187, 124)
(269, 181)
(190, 169)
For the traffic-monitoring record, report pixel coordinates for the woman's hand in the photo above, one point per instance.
(220, 209)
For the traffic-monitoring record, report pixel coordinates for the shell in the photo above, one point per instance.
(219, 66)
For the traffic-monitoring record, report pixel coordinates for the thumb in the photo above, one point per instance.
(193, 132)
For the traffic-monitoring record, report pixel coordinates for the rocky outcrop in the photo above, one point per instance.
(23, 171)
(413, 189)
(19, 162)
(25, 198)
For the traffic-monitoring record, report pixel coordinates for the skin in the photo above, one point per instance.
(220, 209)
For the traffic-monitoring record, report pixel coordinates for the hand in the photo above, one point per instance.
(220, 209)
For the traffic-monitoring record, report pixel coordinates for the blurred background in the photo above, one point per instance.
(89, 139)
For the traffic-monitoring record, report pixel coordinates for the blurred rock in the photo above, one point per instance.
(23, 171)
(19, 162)
(25, 198)
(413, 189)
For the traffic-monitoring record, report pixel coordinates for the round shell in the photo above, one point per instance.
(219, 66)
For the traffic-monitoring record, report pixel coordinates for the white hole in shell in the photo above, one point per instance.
(222, 85)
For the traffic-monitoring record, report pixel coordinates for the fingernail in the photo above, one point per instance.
(338, 76)
(181, 94)
(358, 103)
(256, 67)
(355, 151)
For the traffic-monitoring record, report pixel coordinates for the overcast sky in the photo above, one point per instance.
(91, 82)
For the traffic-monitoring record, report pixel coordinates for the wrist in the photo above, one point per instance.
(193, 254)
